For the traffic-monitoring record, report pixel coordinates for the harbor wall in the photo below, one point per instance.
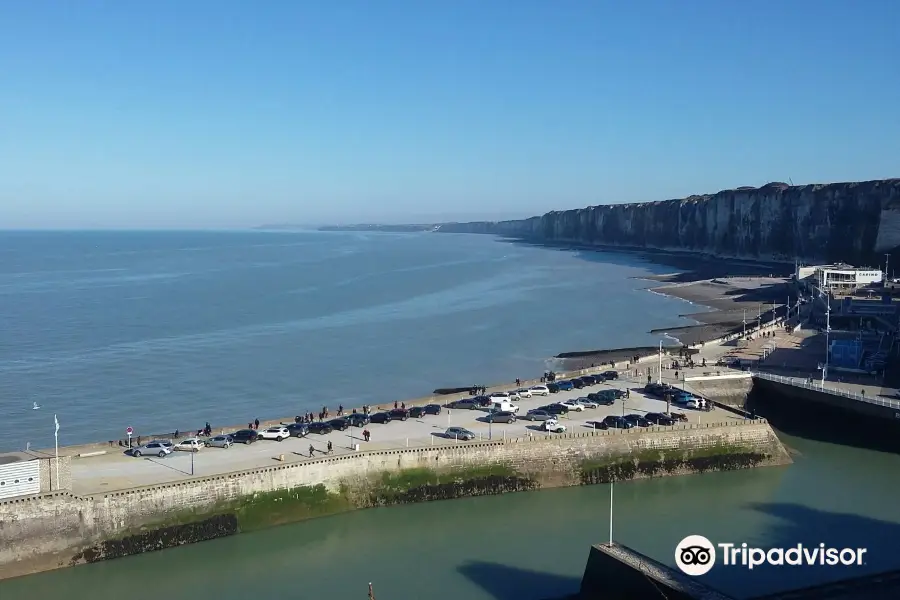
(62, 529)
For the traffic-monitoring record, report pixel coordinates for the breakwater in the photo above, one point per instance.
(63, 529)
(857, 222)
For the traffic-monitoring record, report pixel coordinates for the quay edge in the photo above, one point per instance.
(61, 529)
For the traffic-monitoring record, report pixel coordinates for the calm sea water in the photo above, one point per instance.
(166, 330)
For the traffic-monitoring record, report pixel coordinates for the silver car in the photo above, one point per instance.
(459, 433)
(156, 448)
(220, 441)
(539, 415)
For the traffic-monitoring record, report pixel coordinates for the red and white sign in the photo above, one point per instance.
(129, 430)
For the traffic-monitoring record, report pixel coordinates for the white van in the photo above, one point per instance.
(504, 406)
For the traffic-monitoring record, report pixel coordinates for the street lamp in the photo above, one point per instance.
(659, 375)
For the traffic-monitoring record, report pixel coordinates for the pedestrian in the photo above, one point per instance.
(256, 422)
(366, 434)
(330, 447)
(395, 404)
(403, 405)
(340, 410)
(312, 451)
(250, 425)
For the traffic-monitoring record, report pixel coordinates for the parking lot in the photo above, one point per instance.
(118, 471)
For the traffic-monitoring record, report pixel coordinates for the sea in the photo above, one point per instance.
(160, 331)
(167, 329)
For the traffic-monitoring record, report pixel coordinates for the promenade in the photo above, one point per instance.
(117, 471)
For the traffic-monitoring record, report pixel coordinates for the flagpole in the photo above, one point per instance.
(56, 439)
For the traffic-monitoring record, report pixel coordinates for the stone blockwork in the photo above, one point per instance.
(53, 479)
(48, 531)
(856, 222)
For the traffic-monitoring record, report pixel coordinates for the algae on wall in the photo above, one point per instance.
(655, 463)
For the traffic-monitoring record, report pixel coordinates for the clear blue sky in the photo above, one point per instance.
(196, 113)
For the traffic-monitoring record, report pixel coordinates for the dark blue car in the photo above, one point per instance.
(566, 386)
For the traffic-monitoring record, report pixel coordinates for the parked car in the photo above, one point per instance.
(603, 397)
(565, 386)
(499, 396)
(659, 419)
(614, 422)
(189, 445)
(591, 379)
(638, 420)
(417, 412)
(502, 417)
(586, 402)
(610, 374)
(278, 433)
(152, 448)
(298, 429)
(553, 388)
(577, 383)
(469, 403)
(220, 441)
(539, 390)
(523, 393)
(399, 414)
(538, 414)
(556, 409)
(320, 428)
(553, 426)
(244, 436)
(358, 419)
(678, 416)
(339, 424)
(432, 409)
(382, 417)
(459, 433)
(573, 405)
(513, 395)
(504, 406)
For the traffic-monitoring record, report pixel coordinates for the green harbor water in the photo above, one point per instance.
(530, 545)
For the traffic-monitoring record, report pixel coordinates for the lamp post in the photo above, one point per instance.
(827, 336)
(659, 375)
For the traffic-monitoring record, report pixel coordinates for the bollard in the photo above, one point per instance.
(407, 442)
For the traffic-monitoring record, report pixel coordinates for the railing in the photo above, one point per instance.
(817, 385)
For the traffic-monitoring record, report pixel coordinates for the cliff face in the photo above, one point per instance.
(852, 222)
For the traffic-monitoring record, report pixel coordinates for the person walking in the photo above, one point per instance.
(330, 447)
(312, 451)
(256, 423)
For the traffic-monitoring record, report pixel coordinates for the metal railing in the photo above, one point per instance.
(817, 385)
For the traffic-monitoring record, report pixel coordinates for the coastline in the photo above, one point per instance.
(728, 289)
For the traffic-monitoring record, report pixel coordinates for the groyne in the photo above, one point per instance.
(62, 529)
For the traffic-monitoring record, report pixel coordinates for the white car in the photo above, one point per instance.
(586, 402)
(499, 396)
(514, 395)
(573, 405)
(692, 404)
(523, 393)
(539, 390)
(189, 445)
(277, 433)
(553, 426)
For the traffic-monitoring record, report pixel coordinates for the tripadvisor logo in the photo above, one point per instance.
(695, 555)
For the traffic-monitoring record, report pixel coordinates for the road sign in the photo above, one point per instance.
(129, 430)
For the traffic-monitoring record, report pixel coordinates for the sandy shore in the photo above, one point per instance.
(725, 293)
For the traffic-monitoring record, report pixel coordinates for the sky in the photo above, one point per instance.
(226, 113)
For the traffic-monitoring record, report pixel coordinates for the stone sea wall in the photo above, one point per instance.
(853, 222)
(62, 529)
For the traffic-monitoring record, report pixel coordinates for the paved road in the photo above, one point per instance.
(118, 471)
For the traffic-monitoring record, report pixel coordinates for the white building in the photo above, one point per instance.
(839, 277)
